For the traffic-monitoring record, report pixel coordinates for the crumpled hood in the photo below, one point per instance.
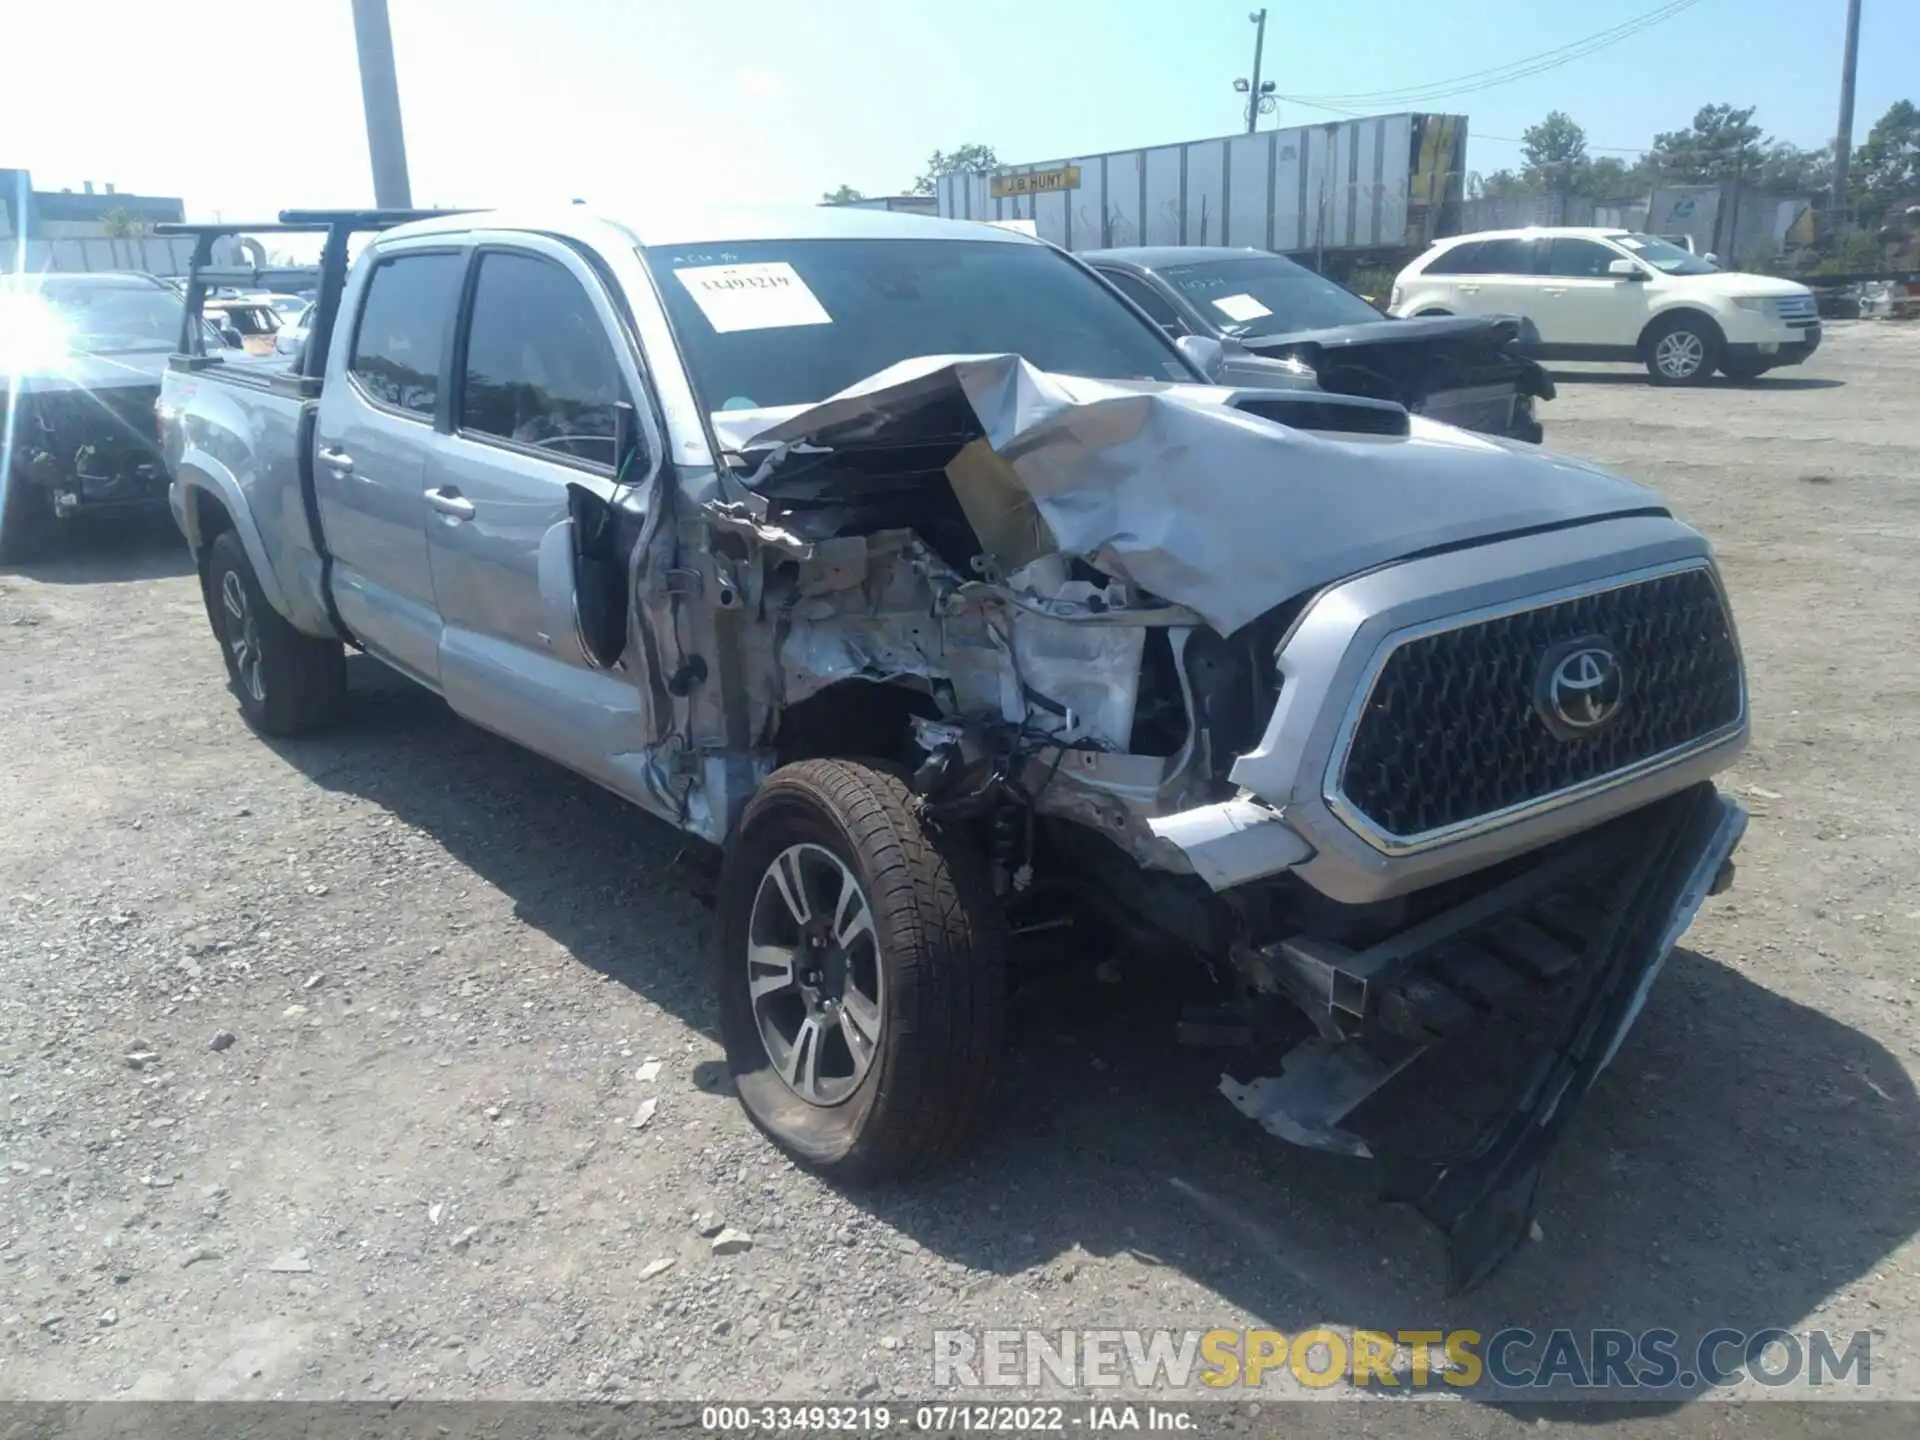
(1492, 331)
(1408, 360)
(1173, 489)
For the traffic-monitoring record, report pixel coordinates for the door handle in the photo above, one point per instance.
(337, 461)
(450, 502)
(1554, 290)
(1469, 289)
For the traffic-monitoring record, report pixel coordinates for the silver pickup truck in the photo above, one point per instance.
(921, 574)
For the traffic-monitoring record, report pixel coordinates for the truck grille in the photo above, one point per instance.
(1455, 728)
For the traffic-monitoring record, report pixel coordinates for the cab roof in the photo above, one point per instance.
(658, 224)
(1539, 232)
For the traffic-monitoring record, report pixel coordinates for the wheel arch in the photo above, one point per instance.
(852, 718)
(1658, 322)
(211, 502)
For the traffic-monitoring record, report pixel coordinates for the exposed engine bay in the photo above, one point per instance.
(88, 448)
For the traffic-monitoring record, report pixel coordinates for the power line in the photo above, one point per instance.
(1503, 74)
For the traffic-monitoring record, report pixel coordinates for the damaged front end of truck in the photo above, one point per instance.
(1400, 730)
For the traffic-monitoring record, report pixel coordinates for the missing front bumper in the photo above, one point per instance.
(1640, 883)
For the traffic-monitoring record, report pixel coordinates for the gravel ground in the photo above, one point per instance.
(326, 1068)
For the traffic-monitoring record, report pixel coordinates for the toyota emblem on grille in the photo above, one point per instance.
(1579, 686)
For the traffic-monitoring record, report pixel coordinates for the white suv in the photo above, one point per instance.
(1600, 294)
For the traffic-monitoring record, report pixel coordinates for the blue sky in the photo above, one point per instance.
(512, 101)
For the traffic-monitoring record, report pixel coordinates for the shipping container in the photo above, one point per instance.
(1385, 184)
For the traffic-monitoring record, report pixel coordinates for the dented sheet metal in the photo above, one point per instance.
(1169, 488)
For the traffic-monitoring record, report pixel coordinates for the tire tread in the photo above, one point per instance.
(934, 905)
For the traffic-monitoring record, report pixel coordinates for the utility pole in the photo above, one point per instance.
(380, 96)
(1259, 44)
(1260, 98)
(1843, 134)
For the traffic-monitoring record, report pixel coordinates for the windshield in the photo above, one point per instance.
(1664, 256)
(1266, 295)
(770, 323)
(90, 318)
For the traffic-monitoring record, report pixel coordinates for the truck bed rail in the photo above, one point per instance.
(329, 276)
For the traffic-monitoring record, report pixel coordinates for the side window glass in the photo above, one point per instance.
(403, 322)
(1147, 298)
(1460, 260)
(1504, 257)
(1583, 259)
(540, 367)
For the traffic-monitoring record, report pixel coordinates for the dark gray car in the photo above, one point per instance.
(1274, 316)
(81, 358)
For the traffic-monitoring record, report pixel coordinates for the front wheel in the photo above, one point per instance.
(1682, 351)
(286, 682)
(861, 965)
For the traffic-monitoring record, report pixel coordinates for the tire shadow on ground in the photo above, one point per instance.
(1745, 1158)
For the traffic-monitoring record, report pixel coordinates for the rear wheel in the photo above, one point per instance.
(1682, 350)
(286, 682)
(860, 961)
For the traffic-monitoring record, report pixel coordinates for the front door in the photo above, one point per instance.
(540, 365)
(1581, 303)
(370, 441)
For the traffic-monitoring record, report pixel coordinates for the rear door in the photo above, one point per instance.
(375, 423)
(541, 360)
(1501, 280)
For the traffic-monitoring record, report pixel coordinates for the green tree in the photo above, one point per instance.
(1720, 143)
(841, 196)
(1612, 178)
(1504, 185)
(941, 162)
(1556, 154)
(1886, 168)
(1787, 168)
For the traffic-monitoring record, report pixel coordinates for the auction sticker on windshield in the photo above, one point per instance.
(1240, 307)
(767, 296)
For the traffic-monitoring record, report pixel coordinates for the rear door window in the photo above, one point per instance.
(402, 332)
(1503, 257)
(1457, 261)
